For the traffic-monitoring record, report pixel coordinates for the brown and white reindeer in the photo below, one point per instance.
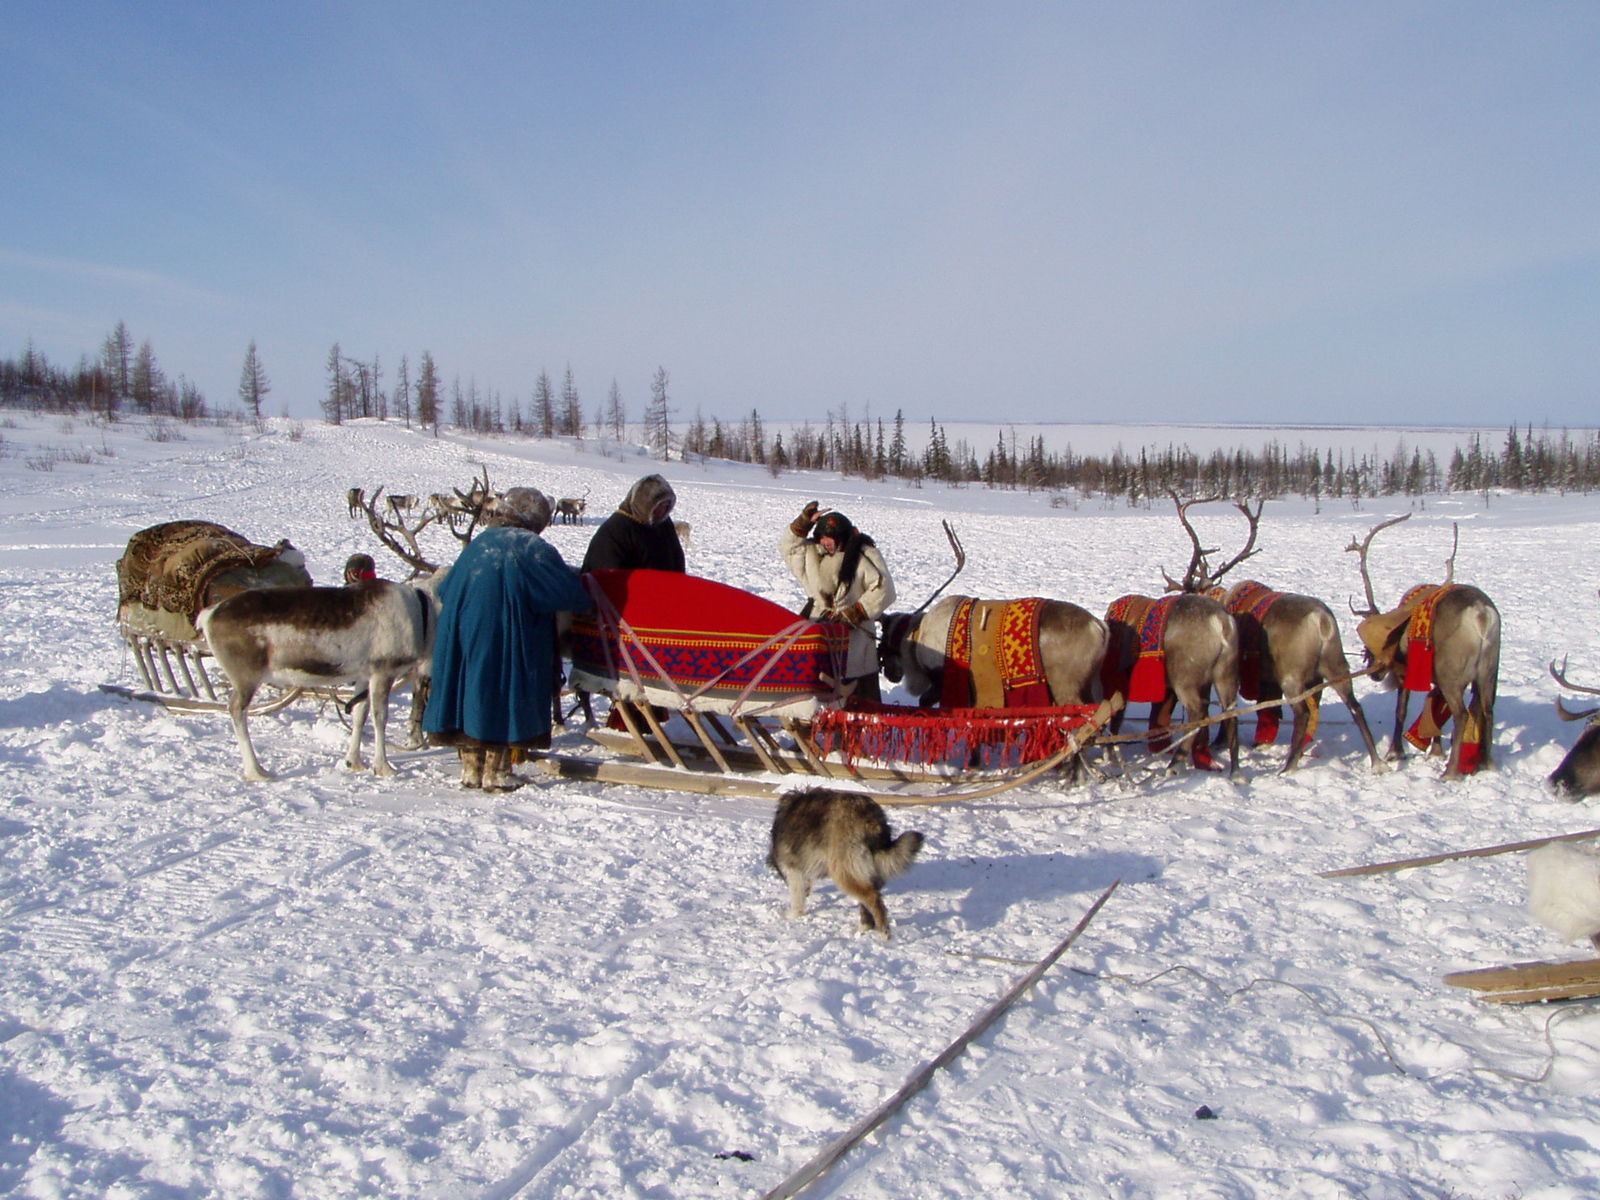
(570, 509)
(1070, 643)
(1579, 772)
(1289, 643)
(369, 635)
(1171, 650)
(1442, 639)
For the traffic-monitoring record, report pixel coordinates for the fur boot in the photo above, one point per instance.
(471, 767)
(497, 774)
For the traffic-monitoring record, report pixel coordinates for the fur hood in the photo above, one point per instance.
(645, 495)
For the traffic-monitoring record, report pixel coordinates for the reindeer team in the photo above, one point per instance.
(374, 635)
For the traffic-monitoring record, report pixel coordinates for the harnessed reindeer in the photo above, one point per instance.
(1293, 639)
(1200, 652)
(1579, 772)
(1465, 634)
(1071, 645)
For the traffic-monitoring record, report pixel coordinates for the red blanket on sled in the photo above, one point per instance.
(991, 656)
(1136, 660)
(684, 632)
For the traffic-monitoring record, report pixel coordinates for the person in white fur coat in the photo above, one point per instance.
(1564, 889)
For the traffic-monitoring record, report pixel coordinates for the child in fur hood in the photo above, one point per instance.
(1564, 889)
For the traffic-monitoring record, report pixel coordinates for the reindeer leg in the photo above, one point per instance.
(1402, 701)
(379, 690)
(238, 708)
(1347, 693)
(358, 718)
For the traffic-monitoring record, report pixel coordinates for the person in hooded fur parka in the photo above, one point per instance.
(494, 656)
(639, 533)
(846, 580)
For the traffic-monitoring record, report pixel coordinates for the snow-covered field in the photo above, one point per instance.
(332, 985)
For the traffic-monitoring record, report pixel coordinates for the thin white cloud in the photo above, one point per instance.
(133, 279)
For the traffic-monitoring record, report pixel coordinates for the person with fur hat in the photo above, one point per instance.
(846, 580)
(640, 533)
(494, 655)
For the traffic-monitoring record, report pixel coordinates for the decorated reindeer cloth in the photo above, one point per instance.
(991, 656)
(1411, 624)
(170, 572)
(1249, 602)
(1136, 657)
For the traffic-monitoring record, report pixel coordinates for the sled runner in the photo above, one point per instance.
(757, 688)
(1523, 983)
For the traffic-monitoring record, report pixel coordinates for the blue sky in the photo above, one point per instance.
(1344, 212)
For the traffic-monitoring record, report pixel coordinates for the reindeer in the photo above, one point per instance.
(354, 500)
(685, 531)
(570, 509)
(1579, 772)
(368, 635)
(1072, 644)
(1466, 651)
(1295, 637)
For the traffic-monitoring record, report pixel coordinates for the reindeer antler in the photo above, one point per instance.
(393, 532)
(1455, 541)
(961, 561)
(389, 522)
(1361, 548)
(1194, 576)
(1572, 714)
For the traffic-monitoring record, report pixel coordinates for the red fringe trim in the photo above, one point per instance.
(982, 737)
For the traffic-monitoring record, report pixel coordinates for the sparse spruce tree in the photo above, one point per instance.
(544, 407)
(428, 394)
(658, 420)
(253, 382)
(616, 413)
(571, 422)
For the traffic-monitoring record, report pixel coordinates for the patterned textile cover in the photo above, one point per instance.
(169, 572)
(1136, 661)
(992, 656)
(719, 647)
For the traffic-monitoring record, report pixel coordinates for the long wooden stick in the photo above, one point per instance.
(823, 1162)
(1480, 852)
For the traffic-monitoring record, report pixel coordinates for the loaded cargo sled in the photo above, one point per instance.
(711, 685)
(166, 577)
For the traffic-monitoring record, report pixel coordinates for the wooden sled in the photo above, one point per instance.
(168, 574)
(1523, 983)
(755, 687)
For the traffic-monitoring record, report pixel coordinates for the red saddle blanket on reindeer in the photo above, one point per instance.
(991, 656)
(1249, 601)
(1411, 624)
(1136, 658)
(672, 639)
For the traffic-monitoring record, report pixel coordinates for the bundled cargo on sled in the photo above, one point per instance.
(171, 572)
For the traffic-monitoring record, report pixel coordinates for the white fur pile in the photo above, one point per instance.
(1564, 888)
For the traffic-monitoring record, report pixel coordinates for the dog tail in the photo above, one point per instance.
(897, 857)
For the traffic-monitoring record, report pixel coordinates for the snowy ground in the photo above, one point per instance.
(332, 985)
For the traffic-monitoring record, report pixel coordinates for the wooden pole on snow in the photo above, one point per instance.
(823, 1162)
(1434, 859)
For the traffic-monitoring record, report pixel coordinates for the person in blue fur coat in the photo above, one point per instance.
(494, 656)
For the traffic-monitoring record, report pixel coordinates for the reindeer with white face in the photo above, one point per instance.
(1291, 641)
(368, 635)
(1464, 627)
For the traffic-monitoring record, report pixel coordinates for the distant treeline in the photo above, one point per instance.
(124, 378)
(1542, 461)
